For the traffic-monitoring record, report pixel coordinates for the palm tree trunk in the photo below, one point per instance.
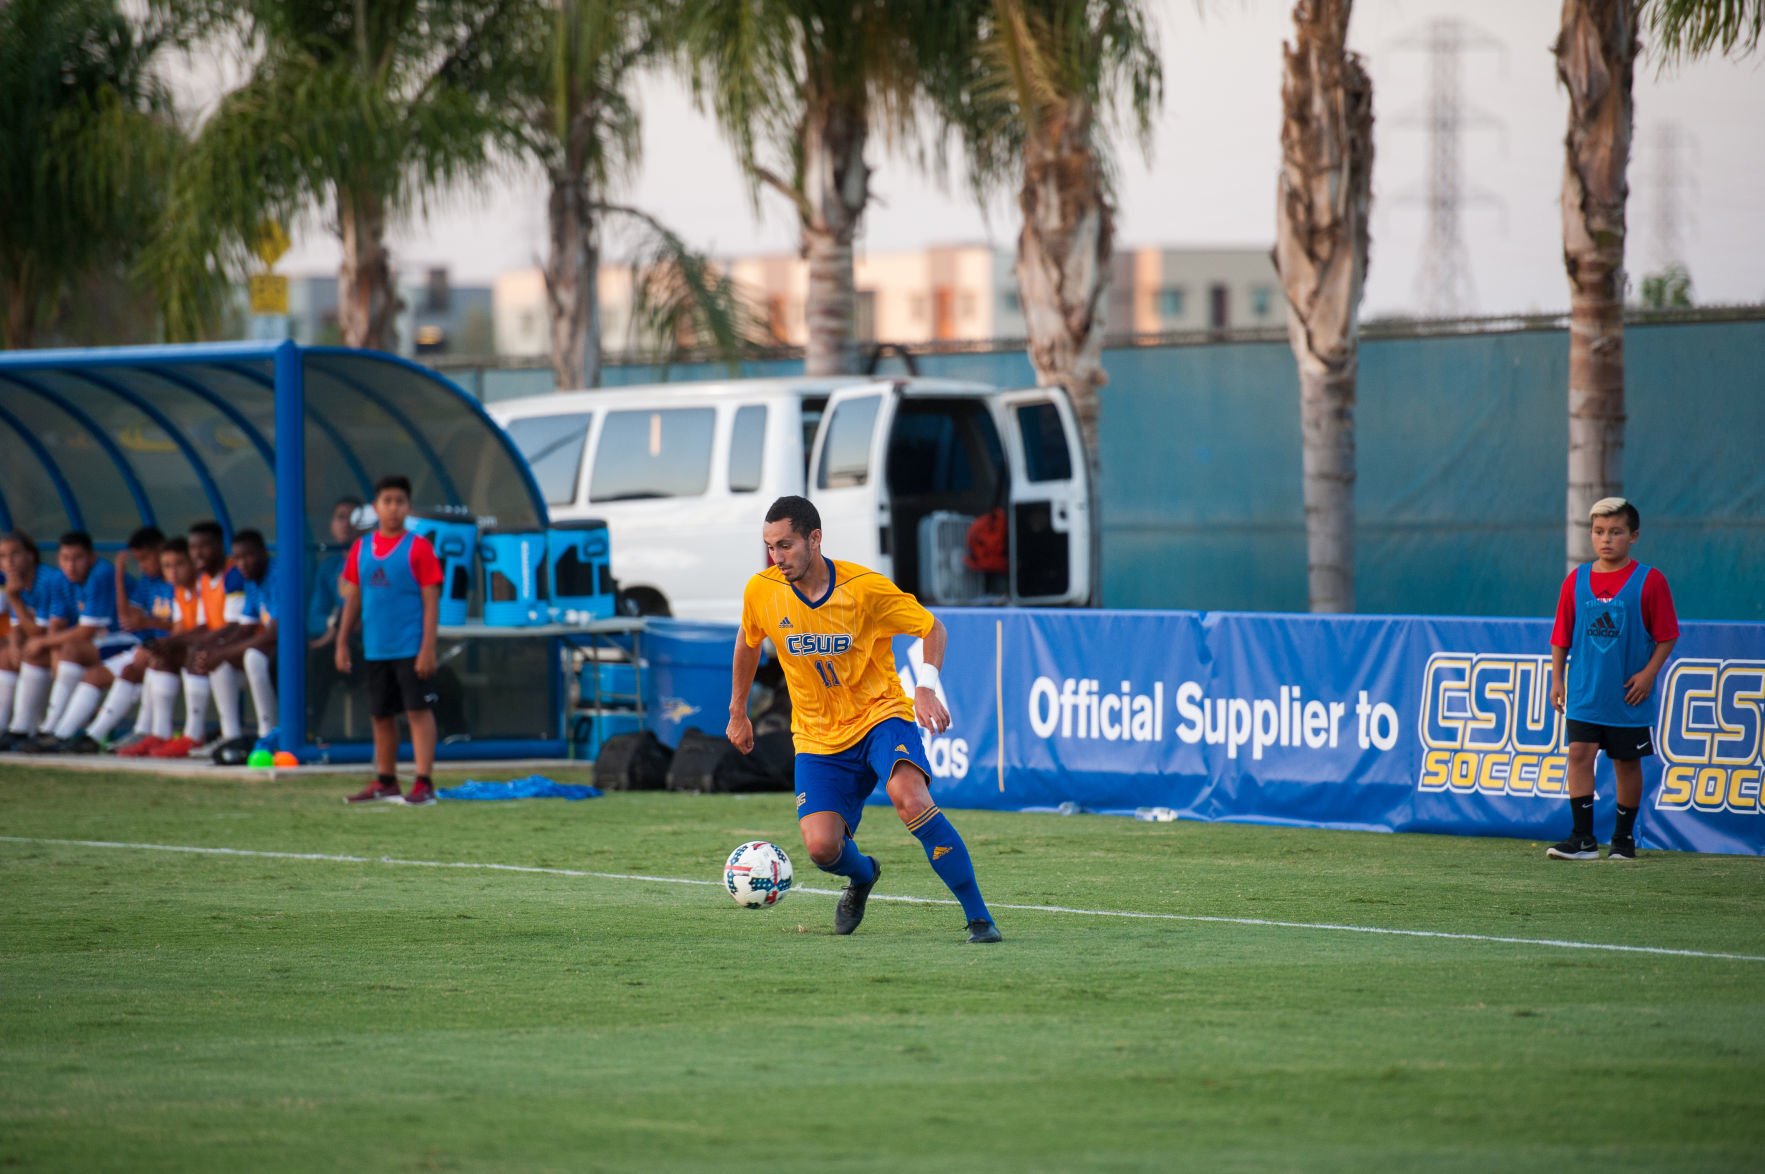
(367, 303)
(1321, 251)
(836, 187)
(1596, 61)
(572, 281)
(1063, 263)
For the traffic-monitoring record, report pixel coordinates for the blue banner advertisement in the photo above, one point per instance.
(1358, 722)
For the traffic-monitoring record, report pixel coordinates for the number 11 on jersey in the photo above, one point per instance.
(828, 676)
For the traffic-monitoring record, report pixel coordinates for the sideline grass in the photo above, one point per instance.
(165, 1010)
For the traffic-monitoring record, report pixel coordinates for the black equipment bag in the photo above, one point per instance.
(771, 766)
(710, 762)
(632, 762)
(696, 760)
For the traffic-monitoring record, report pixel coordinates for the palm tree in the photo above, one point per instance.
(87, 136)
(1684, 30)
(586, 135)
(1037, 96)
(1596, 62)
(584, 131)
(366, 110)
(1321, 247)
(807, 83)
(1596, 54)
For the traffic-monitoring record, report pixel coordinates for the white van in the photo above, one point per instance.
(683, 473)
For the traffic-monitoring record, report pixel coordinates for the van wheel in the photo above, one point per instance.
(642, 601)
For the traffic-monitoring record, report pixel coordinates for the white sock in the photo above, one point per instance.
(68, 675)
(33, 686)
(148, 713)
(80, 708)
(117, 703)
(196, 691)
(263, 689)
(8, 689)
(162, 690)
(227, 693)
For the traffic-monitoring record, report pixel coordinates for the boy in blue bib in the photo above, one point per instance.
(392, 583)
(1615, 629)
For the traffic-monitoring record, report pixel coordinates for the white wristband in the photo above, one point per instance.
(926, 677)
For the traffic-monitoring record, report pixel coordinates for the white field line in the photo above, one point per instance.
(1322, 926)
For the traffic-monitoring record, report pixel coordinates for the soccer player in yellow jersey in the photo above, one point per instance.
(833, 624)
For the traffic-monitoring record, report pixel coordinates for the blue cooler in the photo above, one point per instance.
(455, 539)
(686, 676)
(609, 683)
(514, 577)
(579, 560)
(591, 730)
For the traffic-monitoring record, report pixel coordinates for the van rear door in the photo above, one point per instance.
(1049, 539)
(846, 474)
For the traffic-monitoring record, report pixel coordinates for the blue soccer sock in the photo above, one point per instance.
(854, 865)
(949, 859)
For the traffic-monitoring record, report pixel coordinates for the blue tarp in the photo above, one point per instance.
(531, 787)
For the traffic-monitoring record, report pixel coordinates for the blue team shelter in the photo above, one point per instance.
(259, 435)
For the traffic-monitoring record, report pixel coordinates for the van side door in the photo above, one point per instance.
(1049, 533)
(847, 479)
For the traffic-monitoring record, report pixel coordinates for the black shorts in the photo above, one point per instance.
(1621, 743)
(394, 688)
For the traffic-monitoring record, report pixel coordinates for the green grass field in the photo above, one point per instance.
(176, 1010)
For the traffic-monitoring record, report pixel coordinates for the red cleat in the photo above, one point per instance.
(141, 747)
(179, 747)
(422, 794)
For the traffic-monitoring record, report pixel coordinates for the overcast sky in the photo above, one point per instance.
(1210, 179)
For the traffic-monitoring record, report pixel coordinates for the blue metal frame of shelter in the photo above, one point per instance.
(329, 429)
(287, 459)
(137, 491)
(65, 491)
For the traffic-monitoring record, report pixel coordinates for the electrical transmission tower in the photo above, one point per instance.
(1444, 288)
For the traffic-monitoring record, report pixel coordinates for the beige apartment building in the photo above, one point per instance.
(945, 293)
(1165, 290)
(521, 317)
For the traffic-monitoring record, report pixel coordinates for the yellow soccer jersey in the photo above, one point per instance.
(837, 652)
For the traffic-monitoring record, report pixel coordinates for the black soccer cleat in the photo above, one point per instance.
(1573, 849)
(981, 931)
(850, 911)
(1624, 849)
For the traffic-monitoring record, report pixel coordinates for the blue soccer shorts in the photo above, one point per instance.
(841, 782)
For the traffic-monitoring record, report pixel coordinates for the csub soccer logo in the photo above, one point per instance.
(1711, 736)
(1487, 726)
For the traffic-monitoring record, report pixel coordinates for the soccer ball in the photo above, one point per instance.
(757, 875)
